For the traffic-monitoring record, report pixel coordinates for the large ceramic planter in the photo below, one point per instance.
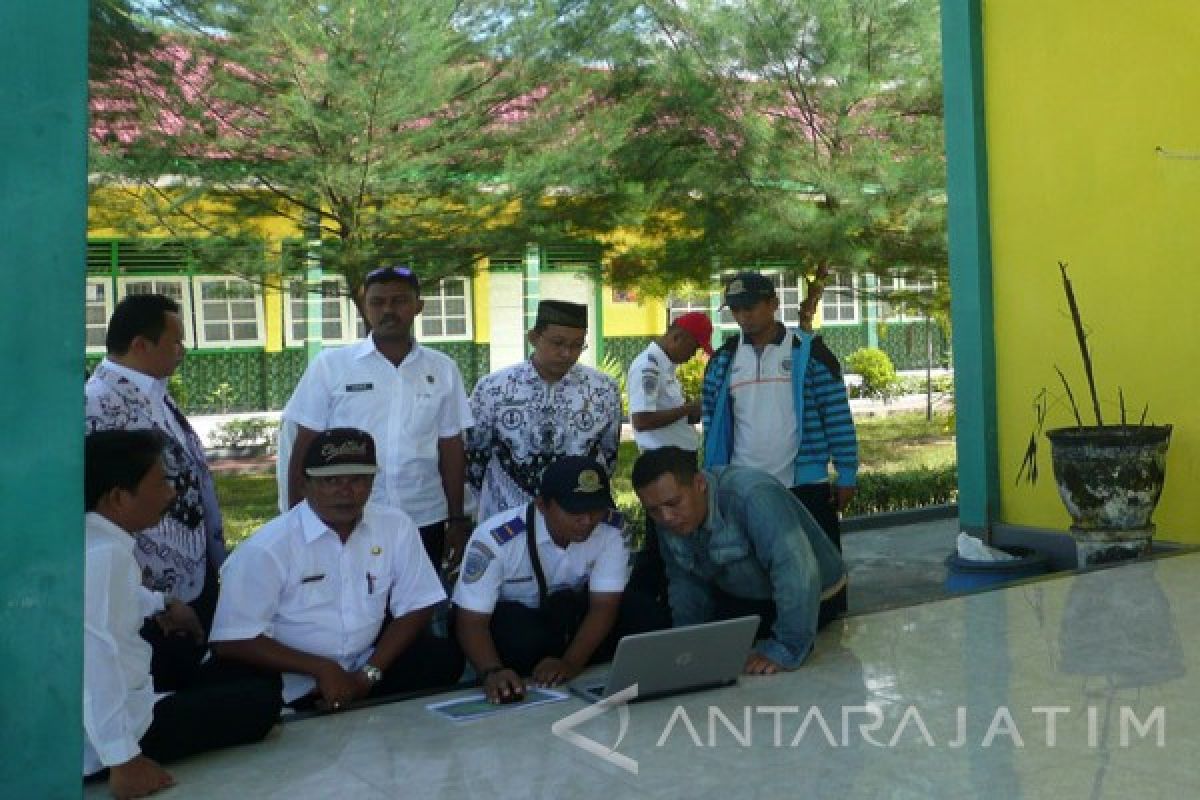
(1110, 478)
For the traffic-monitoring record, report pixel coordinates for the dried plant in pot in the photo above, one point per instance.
(1109, 476)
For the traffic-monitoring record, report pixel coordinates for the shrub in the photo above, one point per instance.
(691, 376)
(245, 432)
(879, 492)
(879, 377)
(614, 369)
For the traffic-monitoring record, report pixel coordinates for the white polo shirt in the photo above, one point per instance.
(497, 567)
(766, 433)
(406, 409)
(296, 582)
(652, 386)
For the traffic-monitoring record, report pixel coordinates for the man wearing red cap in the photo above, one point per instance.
(661, 415)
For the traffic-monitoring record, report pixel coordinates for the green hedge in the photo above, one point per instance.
(879, 492)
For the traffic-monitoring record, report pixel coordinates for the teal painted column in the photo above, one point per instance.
(314, 296)
(970, 264)
(531, 287)
(43, 209)
(870, 308)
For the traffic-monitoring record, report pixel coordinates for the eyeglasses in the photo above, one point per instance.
(337, 481)
(565, 346)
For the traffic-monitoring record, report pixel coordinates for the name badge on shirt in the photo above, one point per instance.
(359, 387)
(313, 578)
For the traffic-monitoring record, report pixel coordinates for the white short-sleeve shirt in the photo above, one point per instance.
(497, 567)
(652, 386)
(766, 433)
(406, 409)
(297, 583)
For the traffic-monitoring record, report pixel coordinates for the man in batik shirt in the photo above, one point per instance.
(530, 414)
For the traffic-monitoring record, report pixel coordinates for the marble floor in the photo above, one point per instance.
(1075, 686)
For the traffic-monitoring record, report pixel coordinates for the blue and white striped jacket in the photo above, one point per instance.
(819, 397)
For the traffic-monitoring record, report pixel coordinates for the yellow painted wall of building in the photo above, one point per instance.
(1079, 96)
(483, 317)
(644, 316)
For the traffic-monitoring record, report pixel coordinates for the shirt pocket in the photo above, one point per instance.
(315, 590)
(373, 588)
(728, 551)
(423, 418)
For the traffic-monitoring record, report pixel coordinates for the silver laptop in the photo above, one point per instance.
(675, 660)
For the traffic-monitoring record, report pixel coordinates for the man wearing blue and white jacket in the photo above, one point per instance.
(736, 542)
(774, 399)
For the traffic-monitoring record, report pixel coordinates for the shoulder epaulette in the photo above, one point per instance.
(615, 518)
(509, 530)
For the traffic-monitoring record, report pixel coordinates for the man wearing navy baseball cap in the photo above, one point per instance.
(774, 399)
(541, 588)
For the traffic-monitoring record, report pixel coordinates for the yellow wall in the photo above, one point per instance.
(483, 317)
(646, 317)
(1079, 94)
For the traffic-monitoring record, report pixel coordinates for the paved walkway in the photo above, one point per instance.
(1076, 686)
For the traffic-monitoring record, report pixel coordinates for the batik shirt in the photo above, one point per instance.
(522, 424)
(174, 554)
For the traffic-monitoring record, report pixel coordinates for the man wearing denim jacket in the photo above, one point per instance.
(738, 542)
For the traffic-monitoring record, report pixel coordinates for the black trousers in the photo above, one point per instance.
(649, 575)
(728, 606)
(175, 658)
(429, 662)
(433, 536)
(524, 636)
(226, 705)
(818, 498)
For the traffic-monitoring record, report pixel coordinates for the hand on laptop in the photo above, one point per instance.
(554, 671)
(504, 686)
(758, 664)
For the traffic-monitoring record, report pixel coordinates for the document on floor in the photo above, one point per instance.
(476, 706)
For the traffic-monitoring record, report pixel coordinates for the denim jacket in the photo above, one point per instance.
(758, 542)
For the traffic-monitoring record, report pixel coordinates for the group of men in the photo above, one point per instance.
(331, 602)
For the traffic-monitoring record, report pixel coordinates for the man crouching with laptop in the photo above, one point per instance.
(739, 543)
(541, 588)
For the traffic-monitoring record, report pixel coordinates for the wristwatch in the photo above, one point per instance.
(374, 674)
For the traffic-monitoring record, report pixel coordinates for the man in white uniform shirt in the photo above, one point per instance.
(532, 413)
(540, 591)
(307, 595)
(409, 398)
(660, 414)
(128, 728)
(180, 552)
(663, 417)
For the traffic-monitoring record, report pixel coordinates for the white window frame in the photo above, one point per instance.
(438, 291)
(109, 304)
(350, 319)
(680, 304)
(847, 294)
(259, 324)
(185, 301)
(899, 283)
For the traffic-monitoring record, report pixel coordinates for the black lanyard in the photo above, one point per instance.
(531, 539)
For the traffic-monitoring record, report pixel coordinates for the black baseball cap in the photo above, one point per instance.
(393, 272)
(748, 288)
(341, 451)
(578, 484)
